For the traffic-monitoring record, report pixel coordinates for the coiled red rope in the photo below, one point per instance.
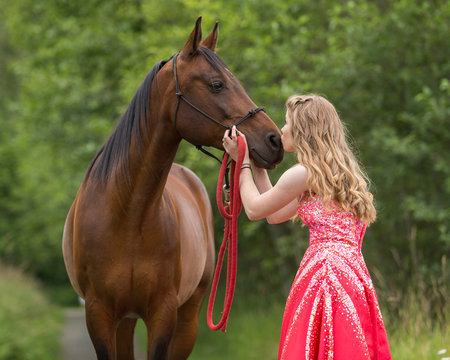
(230, 213)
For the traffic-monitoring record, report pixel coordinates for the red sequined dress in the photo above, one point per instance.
(332, 310)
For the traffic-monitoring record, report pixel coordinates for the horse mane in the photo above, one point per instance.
(113, 157)
(115, 152)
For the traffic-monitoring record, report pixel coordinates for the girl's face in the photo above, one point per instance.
(286, 135)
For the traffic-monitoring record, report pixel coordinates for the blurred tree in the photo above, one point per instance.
(387, 70)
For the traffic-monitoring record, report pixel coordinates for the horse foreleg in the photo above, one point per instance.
(102, 330)
(160, 327)
(124, 339)
(187, 325)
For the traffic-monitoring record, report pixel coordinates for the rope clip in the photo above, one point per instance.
(226, 191)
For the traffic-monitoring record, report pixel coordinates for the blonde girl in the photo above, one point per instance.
(332, 310)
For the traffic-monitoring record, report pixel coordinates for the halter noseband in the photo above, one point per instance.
(181, 96)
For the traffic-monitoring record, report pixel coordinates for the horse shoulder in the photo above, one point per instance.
(187, 176)
(67, 247)
(196, 229)
(191, 197)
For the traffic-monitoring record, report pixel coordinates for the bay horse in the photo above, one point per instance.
(138, 239)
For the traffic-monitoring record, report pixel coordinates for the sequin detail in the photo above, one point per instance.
(332, 310)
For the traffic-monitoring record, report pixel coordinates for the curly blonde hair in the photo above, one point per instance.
(321, 145)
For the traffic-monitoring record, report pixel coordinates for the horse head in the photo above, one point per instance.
(211, 99)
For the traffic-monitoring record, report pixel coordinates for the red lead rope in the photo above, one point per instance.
(230, 213)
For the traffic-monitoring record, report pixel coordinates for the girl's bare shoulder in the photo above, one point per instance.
(294, 178)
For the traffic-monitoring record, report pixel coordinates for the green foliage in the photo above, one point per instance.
(69, 71)
(29, 325)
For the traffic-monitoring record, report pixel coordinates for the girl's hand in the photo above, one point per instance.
(230, 143)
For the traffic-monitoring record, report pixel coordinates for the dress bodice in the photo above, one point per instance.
(329, 224)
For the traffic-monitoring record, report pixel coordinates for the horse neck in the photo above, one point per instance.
(140, 176)
(150, 165)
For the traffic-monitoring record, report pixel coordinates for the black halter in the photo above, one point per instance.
(180, 96)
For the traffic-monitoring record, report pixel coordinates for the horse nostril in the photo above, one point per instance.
(274, 141)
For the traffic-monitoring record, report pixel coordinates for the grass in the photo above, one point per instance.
(415, 332)
(417, 317)
(253, 333)
(29, 325)
(425, 346)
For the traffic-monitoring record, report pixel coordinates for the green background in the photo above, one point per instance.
(68, 70)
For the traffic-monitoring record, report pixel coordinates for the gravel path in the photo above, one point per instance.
(76, 343)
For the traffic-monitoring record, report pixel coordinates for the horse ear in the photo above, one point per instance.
(211, 41)
(193, 42)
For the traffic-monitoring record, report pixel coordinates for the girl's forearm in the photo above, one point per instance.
(249, 193)
(262, 179)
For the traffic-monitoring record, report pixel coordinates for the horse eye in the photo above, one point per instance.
(217, 85)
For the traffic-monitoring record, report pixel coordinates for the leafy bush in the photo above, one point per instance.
(29, 325)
